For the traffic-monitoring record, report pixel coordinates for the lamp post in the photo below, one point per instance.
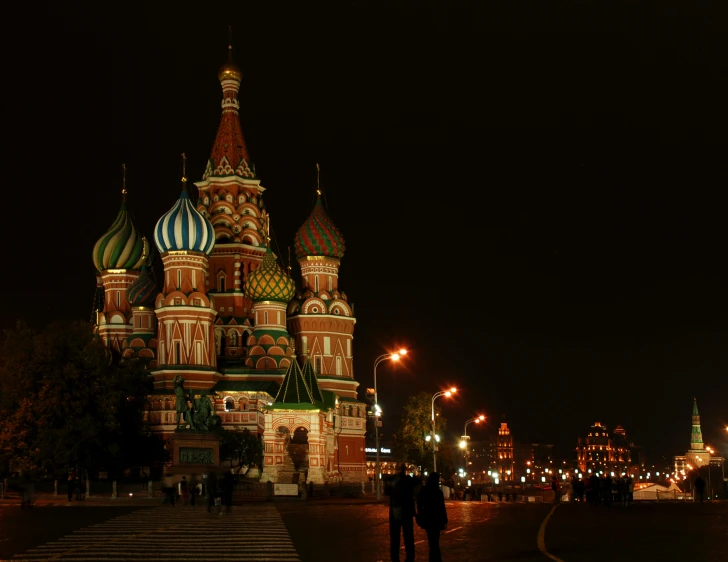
(479, 419)
(378, 412)
(448, 392)
(465, 438)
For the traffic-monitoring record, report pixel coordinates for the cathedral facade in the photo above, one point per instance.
(274, 357)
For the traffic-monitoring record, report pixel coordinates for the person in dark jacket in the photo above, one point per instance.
(431, 514)
(401, 489)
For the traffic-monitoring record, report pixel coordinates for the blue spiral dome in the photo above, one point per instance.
(184, 228)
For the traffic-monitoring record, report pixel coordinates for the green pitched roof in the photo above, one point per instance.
(294, 389)
(309, 376)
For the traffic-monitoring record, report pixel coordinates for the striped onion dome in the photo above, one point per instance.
(122, 247)
(268, 282)
(318, 236)
(184, 228)
(143, 291)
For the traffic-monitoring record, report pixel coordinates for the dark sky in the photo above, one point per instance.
(533, 197)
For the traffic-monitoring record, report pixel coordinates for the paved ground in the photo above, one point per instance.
(357, 530)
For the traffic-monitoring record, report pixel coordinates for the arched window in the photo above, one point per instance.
(229, 404)
(316, 283)
(179, 278)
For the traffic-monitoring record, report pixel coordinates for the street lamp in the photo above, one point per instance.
(479, 419)
(448, 393)
(378, 412)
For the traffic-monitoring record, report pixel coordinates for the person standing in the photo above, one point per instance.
(184, 491)
(71, 483)
(555, 488)
(211, 490)
(228, 483)
(431, 514)
(401, 491)
(700, 488)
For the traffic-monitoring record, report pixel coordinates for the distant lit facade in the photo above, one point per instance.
(602, 451)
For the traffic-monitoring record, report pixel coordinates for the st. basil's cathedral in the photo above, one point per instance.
(274, 358)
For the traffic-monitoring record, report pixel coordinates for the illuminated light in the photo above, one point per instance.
(657, 473)
(496, 480)
(463, 444)
(543, 479)
(469, 483)
(428, 437)
(523, 478)
(528, 471)
(437, 438)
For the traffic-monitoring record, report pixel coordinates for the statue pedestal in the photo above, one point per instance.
(194, 451)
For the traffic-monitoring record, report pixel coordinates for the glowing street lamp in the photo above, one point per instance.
(378, 411)
(446, 393)
(479, 419)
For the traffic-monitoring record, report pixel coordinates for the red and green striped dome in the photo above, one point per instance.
(318, 236)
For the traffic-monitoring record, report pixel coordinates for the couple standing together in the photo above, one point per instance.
(409, 501)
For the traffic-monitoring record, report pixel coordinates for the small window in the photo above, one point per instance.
(221, 284)
(316, 281)
(179, 278)
(229, 404)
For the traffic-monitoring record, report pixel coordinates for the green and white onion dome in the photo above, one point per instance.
(122, 247)
(268, 282)
(184, 228)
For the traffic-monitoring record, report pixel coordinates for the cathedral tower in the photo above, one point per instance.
(118, 256)
(231, 197)
(185, 312)
(320, 317)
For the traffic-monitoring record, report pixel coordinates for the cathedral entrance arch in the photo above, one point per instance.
(298, 449)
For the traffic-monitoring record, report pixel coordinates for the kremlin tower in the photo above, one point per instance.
(273, 358)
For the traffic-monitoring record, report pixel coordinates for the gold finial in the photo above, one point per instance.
(184, 168)
(289, 261)
(230, 39)
(267, 229)
(145, 249)
(123, 181)
(318, 179)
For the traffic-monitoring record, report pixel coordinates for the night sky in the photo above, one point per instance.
(533, 197)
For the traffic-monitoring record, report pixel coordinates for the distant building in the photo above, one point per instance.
(602, 451)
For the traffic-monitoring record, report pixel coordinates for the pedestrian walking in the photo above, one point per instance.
(401, 489)
(431, 514)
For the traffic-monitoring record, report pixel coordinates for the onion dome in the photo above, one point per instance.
(143, 291)
(229, 70)
(268, 282)
(184, 228)
(319, 236)
(121, 247)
